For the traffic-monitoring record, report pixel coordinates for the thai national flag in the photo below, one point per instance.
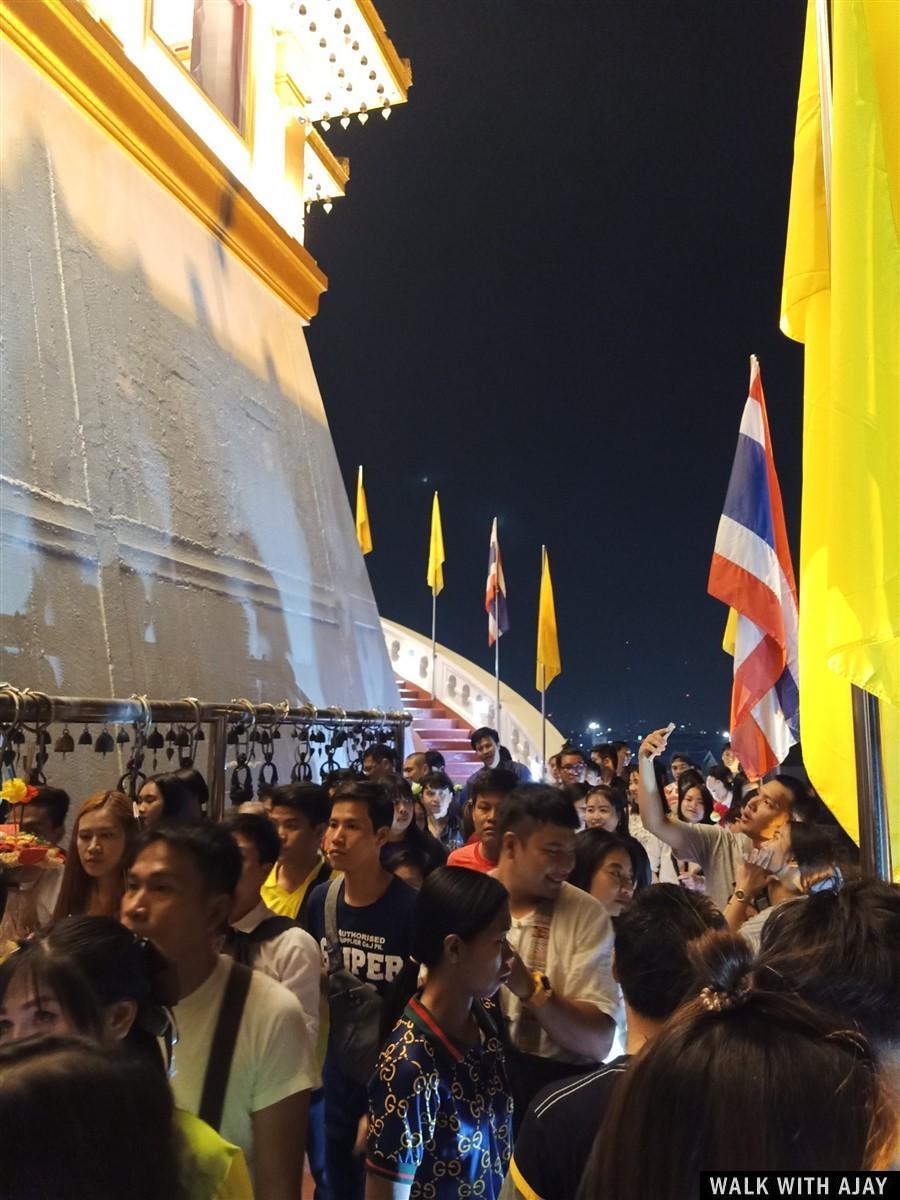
(495, 593)
(751, 571)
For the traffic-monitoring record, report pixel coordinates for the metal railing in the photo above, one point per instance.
(247, 726)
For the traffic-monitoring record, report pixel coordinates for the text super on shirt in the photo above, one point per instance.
(376, 939)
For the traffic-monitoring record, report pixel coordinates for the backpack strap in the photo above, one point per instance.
(221, 1051)
(322, 875)
(271, 927)
(335, 957)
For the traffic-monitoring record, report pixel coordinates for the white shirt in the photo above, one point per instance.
(273, 1055)
(717, 850)
(579, 964)
(293, 959)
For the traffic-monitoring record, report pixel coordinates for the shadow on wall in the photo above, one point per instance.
(173, 523)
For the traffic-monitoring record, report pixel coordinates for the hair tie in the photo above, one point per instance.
(718, 1000)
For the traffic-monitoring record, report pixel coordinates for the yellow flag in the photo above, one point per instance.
(845, 308)
(363, 529)
(435, 576)
(729, 637)
(548, 662)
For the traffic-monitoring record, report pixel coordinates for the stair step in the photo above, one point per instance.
(436, 721)
(445, 732)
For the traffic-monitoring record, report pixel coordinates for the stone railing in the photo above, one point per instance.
(470, 692)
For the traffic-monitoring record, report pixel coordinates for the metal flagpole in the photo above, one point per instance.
(497, 649)
(871, 796)
(433, 641)
(543, 720)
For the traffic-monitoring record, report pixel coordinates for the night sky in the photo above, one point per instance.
(546, 279)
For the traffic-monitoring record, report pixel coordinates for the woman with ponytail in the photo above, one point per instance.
(90, 976)
(808, 1088)
(440, 1113)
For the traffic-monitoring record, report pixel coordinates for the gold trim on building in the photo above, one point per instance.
(400, 68)
(337, 168)
(88, 64)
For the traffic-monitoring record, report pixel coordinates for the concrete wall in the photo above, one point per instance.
(173, 517)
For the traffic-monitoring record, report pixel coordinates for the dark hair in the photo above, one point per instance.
(437, 780)
(77, 886)
(532, 804)
(593, 846)
(452, 900)
(258, 830)
(814, 850)
(410, 856)
(379, 752)
(111, 1117)
(211, 848)
(722, 774)
(330, 781)
(180, 802)
(571, 752)
(191, 778)
(435, 761)
(620, 745)
(840, 949)
(606, 750)
(689, 785)
(652, 936)
(87, 963)
(679, 757)
(618, 798)
(483, 732)
(55, 801)
(307, 799)
(817, 1086)
(375, 796)
(491, 781)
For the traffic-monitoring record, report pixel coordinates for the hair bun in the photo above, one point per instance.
(724, 964)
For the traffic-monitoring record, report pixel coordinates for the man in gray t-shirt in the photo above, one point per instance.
(717, 849)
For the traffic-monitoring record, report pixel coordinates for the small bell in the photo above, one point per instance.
(182, 738)
(155, 740)
(170, 736)
(104, 743)
(122, 738)
(17, 736)
(42, 738)
(232, 736)
(199, 736)
(65, 743)
(85, 738)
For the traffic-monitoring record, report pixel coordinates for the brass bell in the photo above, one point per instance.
(104, 743)
(85, 738)
(65, 743)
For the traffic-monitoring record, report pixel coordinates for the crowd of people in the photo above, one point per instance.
(595, 984)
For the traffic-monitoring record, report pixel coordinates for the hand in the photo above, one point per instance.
(750, 878)
(654, 743)
(520, 982)
(362, 1133)
(693, 881)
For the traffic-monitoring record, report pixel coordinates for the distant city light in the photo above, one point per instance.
(592, 725)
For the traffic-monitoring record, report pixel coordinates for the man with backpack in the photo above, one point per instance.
(363, 922)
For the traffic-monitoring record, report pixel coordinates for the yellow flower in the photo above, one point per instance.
(14, 791)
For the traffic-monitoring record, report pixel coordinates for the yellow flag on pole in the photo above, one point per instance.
(435, 576)
(548, 662)
(845, 307)
(363, 529)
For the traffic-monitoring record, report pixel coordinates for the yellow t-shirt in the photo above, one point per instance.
(282, 902)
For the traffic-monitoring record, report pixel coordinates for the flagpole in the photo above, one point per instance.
(874, 831)
(497, 652)
(543, 722)
(433, 642)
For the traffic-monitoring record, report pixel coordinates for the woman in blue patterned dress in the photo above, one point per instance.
(440, 1112)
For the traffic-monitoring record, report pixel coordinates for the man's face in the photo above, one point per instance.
(571, 768)
(376, 768)
(253, 876)
(679, 765)
(437, 801)
(624, 757)
(484, 818)
(166, 900)
(36, 820)
(350, 841)
(299, 840)
(542, 862)
(765, 812)
(486, 749)
(415, 768)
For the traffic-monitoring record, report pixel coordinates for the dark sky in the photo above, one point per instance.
(546, 279)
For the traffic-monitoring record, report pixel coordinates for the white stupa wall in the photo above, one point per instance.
(173, 517)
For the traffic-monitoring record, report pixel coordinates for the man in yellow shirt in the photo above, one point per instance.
(300, 813)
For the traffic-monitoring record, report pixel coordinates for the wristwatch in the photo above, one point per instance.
(740, 894)
(542, 990)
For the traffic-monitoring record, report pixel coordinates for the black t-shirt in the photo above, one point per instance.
(558, 1132)
(376, 938)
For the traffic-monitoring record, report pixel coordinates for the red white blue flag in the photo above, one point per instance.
(495, 592)
(751, 571)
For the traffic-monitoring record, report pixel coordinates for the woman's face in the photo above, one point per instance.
(437, 801)
(27, 1010)
(600, 813)
(150, 805)
(403, 815)
(485, 961)
(613, 881)
(100, 843)
(718, 790)
(633, 787)
(693, 809)
(580, 807)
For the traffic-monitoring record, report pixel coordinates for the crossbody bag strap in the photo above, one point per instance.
(534, 951)
(335, 958)
(221, 1052)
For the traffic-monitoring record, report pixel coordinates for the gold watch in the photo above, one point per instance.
(542, 990)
